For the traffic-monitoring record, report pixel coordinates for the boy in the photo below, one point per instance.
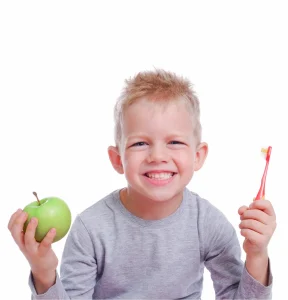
(152, 239)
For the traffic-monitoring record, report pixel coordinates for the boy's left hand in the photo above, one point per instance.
(258, 223)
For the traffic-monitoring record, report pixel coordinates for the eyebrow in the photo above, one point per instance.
(171, 135)
(138, 135)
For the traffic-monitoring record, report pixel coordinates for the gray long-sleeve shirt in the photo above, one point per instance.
(112, 254)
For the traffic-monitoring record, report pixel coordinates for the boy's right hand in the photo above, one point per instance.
(42, 259)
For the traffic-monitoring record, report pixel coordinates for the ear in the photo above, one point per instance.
(115, 159)
(201, 154)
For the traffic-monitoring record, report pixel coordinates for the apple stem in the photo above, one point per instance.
(35, 194)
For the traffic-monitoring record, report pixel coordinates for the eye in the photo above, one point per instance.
(176, 143)
(139, 144)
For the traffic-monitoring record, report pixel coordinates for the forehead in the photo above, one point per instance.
(152, 118)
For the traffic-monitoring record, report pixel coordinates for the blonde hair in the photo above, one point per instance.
(161, 87)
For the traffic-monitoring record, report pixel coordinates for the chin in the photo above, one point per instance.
(162, 196)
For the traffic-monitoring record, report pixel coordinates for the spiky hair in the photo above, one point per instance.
(160, 87)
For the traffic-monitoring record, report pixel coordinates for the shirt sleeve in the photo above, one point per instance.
(222, 257)
(78, 269)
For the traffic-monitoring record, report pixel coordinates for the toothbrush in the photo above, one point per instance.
(261, 192)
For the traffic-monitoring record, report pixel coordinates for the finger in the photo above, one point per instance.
(14, 216)
(29, 237)
(254, 237)
(17, 228)
(242, 209)
(45, 244)
(253, 225)
(256, 214)
(264, 205)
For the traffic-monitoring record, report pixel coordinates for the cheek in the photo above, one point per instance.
(133, 160)
(184, 160)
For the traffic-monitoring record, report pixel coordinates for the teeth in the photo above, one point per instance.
(159, 175)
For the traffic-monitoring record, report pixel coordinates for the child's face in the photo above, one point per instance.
(159, 154)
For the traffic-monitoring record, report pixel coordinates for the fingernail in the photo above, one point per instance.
(53, 230)
(33, 220)
(23, 214)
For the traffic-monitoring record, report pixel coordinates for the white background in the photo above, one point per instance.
(62, 66)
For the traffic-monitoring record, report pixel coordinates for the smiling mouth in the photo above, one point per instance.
(160, 176)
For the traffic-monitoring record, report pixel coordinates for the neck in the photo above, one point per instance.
(149, 209)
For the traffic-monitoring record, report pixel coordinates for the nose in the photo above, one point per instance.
(158, 154)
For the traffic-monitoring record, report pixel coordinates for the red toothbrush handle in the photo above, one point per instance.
(261, 192)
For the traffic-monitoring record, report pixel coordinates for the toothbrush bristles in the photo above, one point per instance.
(264, 150)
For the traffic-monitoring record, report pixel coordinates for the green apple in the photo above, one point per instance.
(51, 212)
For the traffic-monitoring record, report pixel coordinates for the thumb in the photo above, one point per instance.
(45, 244)
(242, 209)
